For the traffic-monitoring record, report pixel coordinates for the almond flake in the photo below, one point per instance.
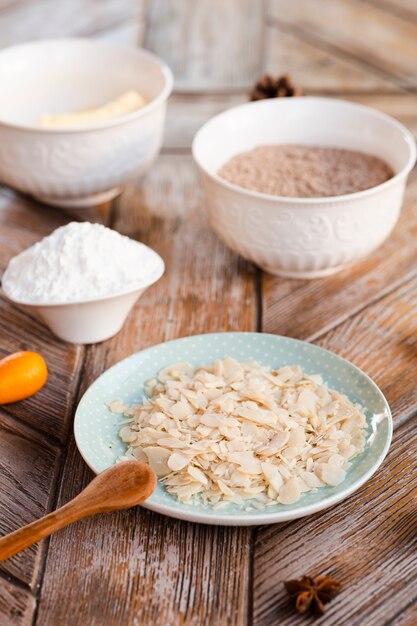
(234, 432)
(177, 461)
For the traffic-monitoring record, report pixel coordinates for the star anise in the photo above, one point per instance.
(270, 87)
(312, 593)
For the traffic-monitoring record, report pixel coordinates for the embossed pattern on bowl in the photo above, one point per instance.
(303, 237)
(76, 166)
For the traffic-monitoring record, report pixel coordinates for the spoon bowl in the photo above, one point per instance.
(121, 486)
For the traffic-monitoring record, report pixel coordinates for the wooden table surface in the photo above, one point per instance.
(138, 568)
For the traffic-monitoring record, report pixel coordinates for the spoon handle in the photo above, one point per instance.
(41, 528)
(121, 486)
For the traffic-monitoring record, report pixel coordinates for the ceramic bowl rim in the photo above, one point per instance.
(147, 282)
(246, 518)
(305, 202)
(107, 124)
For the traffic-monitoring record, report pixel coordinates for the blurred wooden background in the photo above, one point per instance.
(140, 569)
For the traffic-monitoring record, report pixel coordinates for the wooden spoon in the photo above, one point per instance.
(119, 487)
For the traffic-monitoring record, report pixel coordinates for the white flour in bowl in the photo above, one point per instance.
(77, 262)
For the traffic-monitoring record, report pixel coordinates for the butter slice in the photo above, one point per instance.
(128, 102)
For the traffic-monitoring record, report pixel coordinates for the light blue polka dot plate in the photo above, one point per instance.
(96, 427)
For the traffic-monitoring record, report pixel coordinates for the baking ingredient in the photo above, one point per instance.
(77, 262)
(302, 171)
(231, 432)
(21, 375)
(128, 102)
(270, 87)
(312, 593)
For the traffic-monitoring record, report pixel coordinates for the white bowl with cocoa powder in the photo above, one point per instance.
(303, 237)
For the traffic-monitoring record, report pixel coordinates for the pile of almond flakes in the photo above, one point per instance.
(232, 432)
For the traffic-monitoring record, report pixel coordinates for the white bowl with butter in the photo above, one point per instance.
(79, 117)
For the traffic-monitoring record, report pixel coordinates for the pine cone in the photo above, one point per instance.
(270, 87)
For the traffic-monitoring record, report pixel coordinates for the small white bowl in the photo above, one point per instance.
(90, 321)
(303, 237)
(85, 165)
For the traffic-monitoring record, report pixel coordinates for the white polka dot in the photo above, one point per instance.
(97, 428)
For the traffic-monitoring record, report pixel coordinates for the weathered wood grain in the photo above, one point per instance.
(187, 113)
(374, 321)
(21, 224)
(7, 5)
(120, 486)
(306, 309)
(379, 39)
(317, 69)
(129, 33)
(47, 410)
(382, 340)
(368, 543)
(24, 21)
(28, 467)
(139, 568)
(404, 8)
(406, 616)
(17, 606)
(209, 44)
(206, 287)
(158, 571)
(135, 567)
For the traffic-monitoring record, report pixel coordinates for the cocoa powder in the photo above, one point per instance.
(302, 171)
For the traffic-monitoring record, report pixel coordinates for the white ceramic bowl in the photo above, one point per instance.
(84, 165)
(94, 320)
(303, 237)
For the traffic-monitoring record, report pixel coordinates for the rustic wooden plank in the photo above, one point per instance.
(367, 542)
(9, 5)
(381, 341)
(17, 605)
(209, 44)
(305, 309)
(380, 39)
(166, 212)
(378, 338)
(28, 467)
(25, 21)
(317, 69)
(187, 113)
(23, 221)
(129, 33)
(406, 616)
(158, 571)
(21, 224)
(404, 8)
(47, 410)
